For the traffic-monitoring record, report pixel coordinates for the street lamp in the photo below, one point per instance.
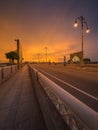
(82, 21)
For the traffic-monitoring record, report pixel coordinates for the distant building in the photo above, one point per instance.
(76, 57)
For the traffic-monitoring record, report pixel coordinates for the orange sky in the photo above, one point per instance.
(45, 24)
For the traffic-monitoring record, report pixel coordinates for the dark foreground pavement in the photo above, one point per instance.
(24, 105)
(19, 109)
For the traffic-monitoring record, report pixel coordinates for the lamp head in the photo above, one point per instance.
(75, 23)
(87, 30)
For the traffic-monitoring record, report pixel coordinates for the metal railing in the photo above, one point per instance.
(76, 114)
(7, 70)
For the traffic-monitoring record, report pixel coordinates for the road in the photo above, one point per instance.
(80, 83)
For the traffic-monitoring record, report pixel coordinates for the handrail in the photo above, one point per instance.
(7, 70)
(88, 116)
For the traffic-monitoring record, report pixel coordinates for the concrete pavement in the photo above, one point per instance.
(19, 109)
(24, 105)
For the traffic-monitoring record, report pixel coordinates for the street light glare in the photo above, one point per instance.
(87, 30)
(75, 24)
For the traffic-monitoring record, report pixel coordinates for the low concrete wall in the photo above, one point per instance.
(86, 117)
(52, 118)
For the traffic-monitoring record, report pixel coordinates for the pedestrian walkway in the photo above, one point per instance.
(19, 109)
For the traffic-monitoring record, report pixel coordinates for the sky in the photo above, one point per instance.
(40, 24)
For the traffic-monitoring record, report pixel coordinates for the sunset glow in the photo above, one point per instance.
(48, 24)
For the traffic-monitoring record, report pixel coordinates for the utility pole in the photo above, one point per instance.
(38, 58)
(19, 61)
(46, 53)
(17, 42)
(64, 60)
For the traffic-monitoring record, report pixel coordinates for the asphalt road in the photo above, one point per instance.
(80, 83)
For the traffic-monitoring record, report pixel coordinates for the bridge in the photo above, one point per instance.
(38, 97)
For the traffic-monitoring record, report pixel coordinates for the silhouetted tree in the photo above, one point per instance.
(12, 55)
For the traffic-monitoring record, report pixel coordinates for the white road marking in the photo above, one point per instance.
(71, 86)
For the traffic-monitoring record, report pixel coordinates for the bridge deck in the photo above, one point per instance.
(25, 106)
(18, 106)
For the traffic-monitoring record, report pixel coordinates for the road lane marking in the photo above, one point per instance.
(89, 95)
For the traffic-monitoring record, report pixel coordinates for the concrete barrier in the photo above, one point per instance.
(53, 119)
(85, 117)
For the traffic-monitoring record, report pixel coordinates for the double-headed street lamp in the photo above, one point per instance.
(82, 20)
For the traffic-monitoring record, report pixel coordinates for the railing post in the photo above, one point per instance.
(11, 68)
(2, 73)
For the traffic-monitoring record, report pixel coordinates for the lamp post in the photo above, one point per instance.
(82, 21)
